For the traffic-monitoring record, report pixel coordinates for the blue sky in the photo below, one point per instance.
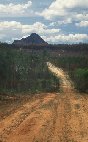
(56, 21)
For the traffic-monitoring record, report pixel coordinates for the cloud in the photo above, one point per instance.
(10, 30)
(82, 16)
(82, 24)
(63, 8)
(17, 30)
(61, 22)
(39, 28)
(14, 9)
(70, 38)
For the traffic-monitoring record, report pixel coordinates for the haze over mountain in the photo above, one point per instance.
(32, 39)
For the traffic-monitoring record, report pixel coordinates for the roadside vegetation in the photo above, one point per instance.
(77, 67)
(25, 71)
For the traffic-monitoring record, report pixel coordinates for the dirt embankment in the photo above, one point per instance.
(61, 117)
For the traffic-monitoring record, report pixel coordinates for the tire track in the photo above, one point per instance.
(75, 122)
(60, 117)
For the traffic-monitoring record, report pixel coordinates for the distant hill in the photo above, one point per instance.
(33, 39)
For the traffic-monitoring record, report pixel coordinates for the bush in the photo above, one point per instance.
(81, 77)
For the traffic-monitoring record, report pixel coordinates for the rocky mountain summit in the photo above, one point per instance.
(33, 39)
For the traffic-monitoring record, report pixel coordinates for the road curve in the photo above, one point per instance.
(65, 83)
(49, 117)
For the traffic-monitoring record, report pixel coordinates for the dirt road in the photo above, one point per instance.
(61, 117)
(66, 84)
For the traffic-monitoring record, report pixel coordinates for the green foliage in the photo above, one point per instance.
(25, 70)
(81, 77)
(71, 63)
(22, 70)
(77, 67)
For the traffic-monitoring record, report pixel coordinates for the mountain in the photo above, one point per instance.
(33, 39)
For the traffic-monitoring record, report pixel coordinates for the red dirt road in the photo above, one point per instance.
(61, 117)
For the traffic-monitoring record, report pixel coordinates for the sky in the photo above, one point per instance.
(56, 21)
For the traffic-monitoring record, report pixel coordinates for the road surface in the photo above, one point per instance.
(51, 117)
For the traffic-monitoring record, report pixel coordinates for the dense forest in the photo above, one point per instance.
(24, 71)
(81, 47)
(24, 68)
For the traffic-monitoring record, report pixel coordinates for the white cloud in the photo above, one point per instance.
(70, 38)
(17, 30)
(82, 24)
(14, 9)
(82, 16)
(39, 28)
(61, 22)
(63, 8)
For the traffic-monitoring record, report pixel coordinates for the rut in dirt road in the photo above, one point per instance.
(49, 117)
(72, 116)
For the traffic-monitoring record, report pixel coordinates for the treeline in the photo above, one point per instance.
(77, 67)
(23, 71)
(20, 67)
(81, 47)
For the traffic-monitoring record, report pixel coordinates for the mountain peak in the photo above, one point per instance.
(34, 34)
(30, 40)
